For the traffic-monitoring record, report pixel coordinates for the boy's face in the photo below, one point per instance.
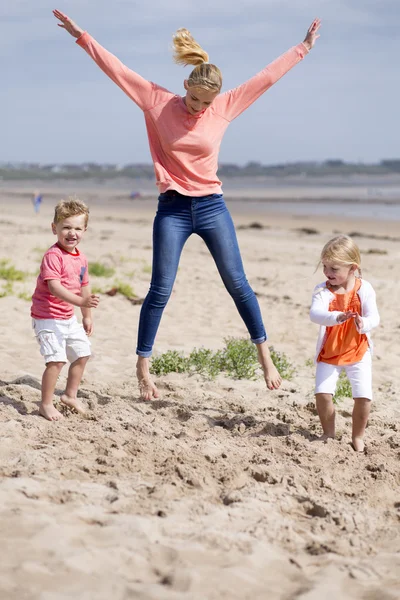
(70, 231)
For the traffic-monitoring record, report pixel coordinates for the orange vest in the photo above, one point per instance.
(343, 344)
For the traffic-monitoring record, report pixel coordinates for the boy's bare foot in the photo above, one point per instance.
(49, 412)
(73, 403)
(358, 444)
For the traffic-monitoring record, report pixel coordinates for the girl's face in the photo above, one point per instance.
(337, 273)
(198, 99)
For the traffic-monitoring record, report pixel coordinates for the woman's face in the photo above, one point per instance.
(198, 99)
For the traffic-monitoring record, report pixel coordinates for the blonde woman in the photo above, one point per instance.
(345, 308)
(184, 135)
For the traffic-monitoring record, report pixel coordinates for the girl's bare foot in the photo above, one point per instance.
(147, 388)
(325, 437)
(73, 403)
(49, 412)
(358, 444)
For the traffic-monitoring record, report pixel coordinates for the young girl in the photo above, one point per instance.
(185, 134)
(345, 308)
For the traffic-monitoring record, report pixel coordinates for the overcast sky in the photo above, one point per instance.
(342, 101)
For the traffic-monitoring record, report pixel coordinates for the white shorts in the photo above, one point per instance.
(61, 340)
(359, 375)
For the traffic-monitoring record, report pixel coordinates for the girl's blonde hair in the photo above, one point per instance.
(343, 250)
(188, 52)
(70, 208)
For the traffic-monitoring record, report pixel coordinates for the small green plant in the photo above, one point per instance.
(25, 296)
(7, 290)
(280, 360)
(238, 359)
(343, 388)
(171, 361)
(9, 272)
(309, 362)
(125, 289)
(205, 361)
(99, 270)
(147, 269)
(97, 290)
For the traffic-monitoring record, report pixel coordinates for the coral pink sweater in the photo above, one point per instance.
(185, 148)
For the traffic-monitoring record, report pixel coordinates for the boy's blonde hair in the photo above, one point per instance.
(70, 208)
(343, 250)
(188, 52)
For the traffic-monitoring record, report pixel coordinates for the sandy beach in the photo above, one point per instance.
(218, 490)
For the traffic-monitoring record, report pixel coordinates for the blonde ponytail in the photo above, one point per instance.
(186, 51)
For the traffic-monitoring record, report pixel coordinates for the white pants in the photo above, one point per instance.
(61, 340)
(359, 375)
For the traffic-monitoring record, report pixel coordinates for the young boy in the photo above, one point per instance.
(63, 283)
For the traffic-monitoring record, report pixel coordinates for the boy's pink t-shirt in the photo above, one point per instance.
(185, 148)
(71, 270)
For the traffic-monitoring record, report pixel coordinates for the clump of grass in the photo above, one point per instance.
(25, 296)
(280, 360)
(238, 359)
(7, 290)
(171, 361)
(343, 388)
(147, 269)
(9, 272)
(125, 289)
(309, 362)
(205, 361)
(97, 290)
(99, 270)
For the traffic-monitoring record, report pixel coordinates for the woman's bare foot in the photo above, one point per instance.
(49, 412)
(271, 375)
(147, 388)
(358, 444)
(73, 403)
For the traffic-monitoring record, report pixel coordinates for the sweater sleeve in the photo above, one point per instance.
(319, 313)
(370, 314)
(232, 103)
(144, 93)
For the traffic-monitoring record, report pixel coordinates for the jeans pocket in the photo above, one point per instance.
(167, 197)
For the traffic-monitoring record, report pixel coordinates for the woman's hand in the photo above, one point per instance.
(312, 36)
(67, 24)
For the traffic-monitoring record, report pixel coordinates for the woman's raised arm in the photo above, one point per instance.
(68, 24)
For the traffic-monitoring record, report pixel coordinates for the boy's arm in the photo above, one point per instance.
(58, 290)
(87, 320)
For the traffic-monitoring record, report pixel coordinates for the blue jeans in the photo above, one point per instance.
(177, 218)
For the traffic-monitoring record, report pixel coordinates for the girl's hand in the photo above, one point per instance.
(359, 322)
(345, 316)
(67, 24)
(312, 36)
